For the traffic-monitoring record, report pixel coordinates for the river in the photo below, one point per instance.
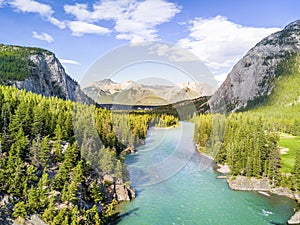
(177, 185)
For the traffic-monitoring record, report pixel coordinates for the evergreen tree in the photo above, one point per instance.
(20, 210)
(49, 212)
(75, 216)
(95, 193)
(33, 200)
(296, 172)
(44, 154)
(60, 217)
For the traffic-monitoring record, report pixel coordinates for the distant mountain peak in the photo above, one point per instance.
(131, 92)
(107, 81)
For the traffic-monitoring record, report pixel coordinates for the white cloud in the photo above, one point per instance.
(57, 22)
(220, 43)
(43, 37)
(80, 11)
(220, 78)
(69, 61)
(133, 20)
(2, 2)
(31, 6)
(80, 28)
(173, 53)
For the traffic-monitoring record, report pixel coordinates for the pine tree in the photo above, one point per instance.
(119, 171)
(58, 151)
(60, 217)
(20, 146)
(20, 210)
(71, 193)
(78, 172)
(61, 177)
(75, 216)
(33, 200)
(66, 220)
(17, 181)
(43, 188)
(107, 160)
(95, 193)
(92, 216)
(38, 121)
(34, 151)
(44, 154)
(49, 212)
(296, 172)
(64, 193)
(31, 174)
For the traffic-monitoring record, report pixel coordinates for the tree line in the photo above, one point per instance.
(54, 154)
(248, 141)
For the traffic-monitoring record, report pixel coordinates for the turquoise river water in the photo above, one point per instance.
(177, 185)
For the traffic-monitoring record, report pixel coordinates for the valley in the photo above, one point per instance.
(71, 156)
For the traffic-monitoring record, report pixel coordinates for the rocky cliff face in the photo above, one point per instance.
(252, 77)
(47, 76)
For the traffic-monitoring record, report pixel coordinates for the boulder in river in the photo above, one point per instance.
(295, 219)
(124, 193)
(245, 184)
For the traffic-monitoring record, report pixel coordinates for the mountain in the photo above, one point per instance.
(184, 109)
(133, 93)
(39, 71)
(252, 78)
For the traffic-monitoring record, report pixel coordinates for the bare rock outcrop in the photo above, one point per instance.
(251, 79)
(46, 75)
(295, 219)
(124, 193)
(249, 184)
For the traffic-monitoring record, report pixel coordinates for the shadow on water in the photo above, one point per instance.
(133, 158)
(138, 191)
(117, 217)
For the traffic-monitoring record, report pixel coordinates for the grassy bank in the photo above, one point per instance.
(292, 143)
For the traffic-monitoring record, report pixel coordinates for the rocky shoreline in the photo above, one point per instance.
(263, 186)
(120, 191)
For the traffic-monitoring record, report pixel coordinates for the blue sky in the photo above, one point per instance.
(219, 32)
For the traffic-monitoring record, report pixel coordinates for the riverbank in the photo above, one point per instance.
(263, 186)
(166, 128)
(224, 169)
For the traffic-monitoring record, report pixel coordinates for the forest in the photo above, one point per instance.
(248, 142)
(54, 154)
(15, 63)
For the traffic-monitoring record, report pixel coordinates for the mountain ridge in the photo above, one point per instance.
(42, 73)
(133, 93)
(252, 78)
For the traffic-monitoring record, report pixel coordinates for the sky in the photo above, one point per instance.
(80, 32)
